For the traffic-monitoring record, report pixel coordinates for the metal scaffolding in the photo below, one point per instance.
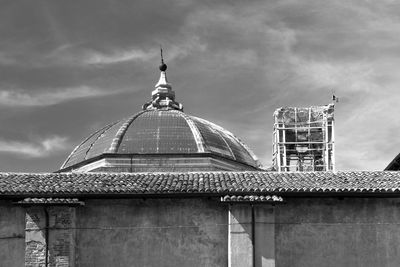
(303, 139)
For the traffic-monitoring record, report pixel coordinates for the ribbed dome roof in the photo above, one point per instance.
(162, 132)
(161, 138)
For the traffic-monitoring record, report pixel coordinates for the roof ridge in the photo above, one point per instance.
(86, 139)
(98, 137)
(116, 142)
(198, 138)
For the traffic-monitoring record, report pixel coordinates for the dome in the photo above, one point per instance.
(161, 138)
(161, 132)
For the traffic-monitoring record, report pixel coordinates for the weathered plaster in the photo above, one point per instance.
(12, 236)
(356, 232)
(153, 232)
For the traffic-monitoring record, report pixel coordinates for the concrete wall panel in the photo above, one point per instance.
(12, 235)
(332, 232)
(240, 236)
(157, 232)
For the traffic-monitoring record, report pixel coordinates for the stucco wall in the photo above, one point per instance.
(12, 235)
(194, 232)
(333, 232)
(155, 232)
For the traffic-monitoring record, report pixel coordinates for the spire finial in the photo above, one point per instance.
(163, 97)
(162, 58)
(163, 66)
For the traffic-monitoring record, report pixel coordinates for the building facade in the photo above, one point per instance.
(200, 219)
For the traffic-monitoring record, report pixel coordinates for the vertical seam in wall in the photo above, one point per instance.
(253, 234)
(229, 236)
(131, 169)
(274, 224)
(46, 259)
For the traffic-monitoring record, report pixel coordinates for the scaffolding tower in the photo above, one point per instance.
(303, 139)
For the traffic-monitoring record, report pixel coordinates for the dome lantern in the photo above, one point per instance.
(163, 97)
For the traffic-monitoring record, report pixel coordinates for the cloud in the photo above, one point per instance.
(316, 74)
(119, 56)
(366, 131)
(38, 149)
(73, 55)
(231, 62)
(23, 99)
(76, 55)
(6, 59)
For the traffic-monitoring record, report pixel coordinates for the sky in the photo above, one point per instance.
(68, 68)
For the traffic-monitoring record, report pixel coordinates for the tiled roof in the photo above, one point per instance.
(197, 183)
(251, 198)
(50, 201)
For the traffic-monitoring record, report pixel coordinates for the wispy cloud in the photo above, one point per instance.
(25, 99)
(252, 57)
(38, 149)
(74, 55)
(119, 56)
(354, 76)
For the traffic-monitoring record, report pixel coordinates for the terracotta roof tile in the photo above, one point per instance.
(251, 198)
(216, 183)
(50, 201)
